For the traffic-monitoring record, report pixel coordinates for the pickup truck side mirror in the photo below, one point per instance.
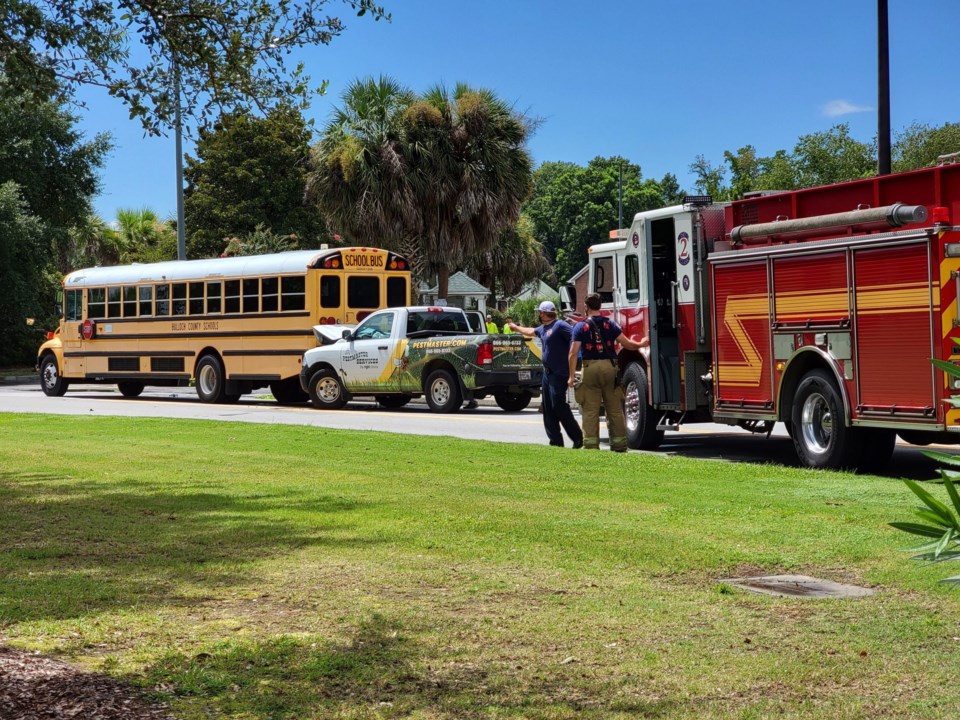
(347, 334)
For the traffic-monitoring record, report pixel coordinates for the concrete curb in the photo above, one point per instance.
(19, 380)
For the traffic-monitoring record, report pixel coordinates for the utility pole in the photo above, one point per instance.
(181, 230)
(883, 89)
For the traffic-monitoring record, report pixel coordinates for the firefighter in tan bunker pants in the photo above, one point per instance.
(594, 340)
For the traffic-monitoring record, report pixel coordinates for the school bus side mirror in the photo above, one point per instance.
(58, 308)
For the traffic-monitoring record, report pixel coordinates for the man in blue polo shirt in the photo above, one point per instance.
(555, 337)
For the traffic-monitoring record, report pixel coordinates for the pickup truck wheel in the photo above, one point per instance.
(51, 380)
(820, 435)
(130, 388)
(326, 390)
(392, 401)
(443, 392)
(641, 420)
(512, 402)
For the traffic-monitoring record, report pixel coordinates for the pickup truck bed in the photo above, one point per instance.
(397, 354)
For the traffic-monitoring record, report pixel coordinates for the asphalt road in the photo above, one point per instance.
(486, 422)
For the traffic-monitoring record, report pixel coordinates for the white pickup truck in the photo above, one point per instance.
(397, 354)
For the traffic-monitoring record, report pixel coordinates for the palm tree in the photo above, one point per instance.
(437, 177)
(516, 259)
(471, 172)
(143, 237)
(358, 171)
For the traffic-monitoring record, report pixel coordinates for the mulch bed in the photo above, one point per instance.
(35, 687)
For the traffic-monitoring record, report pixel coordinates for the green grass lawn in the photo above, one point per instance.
(256, 571)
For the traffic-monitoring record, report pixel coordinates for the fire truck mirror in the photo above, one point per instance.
(568, 298)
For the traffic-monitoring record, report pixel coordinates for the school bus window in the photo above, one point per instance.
(292, 293)
(396, 291)
(113, 302)
(363, 292)
(73, 305)
(251, 295)
(96, 303)
(196, 298)
(214, 298)
(180, 299)
(163, 300)
(231, 296)
(270, 289)
(329, 291)
(129, 300)
(146, 300)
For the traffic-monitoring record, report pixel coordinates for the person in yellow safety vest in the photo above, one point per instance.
(492, 326)
(596, 337)
(506, 325)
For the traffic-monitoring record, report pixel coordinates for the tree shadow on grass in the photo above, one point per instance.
(71, 548)
(380, 671)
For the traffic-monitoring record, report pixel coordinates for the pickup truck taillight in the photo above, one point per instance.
(485, 354)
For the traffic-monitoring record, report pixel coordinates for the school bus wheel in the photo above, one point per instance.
(51, 380)
(211, 380)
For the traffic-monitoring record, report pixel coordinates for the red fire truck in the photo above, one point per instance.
(819, 308)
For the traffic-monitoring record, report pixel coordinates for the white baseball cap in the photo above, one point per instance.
(547, 306)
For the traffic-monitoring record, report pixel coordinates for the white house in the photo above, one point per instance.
(462, 292)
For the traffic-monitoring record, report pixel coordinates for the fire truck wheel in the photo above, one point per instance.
(877, 448)
(326, 390)
(642, 433)
(820, 436)
(51, 380)
(443, 392)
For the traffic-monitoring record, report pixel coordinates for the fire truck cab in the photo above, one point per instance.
(819, 308)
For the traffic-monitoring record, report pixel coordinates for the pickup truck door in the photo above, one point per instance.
(365, 359)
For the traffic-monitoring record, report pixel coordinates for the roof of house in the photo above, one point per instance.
(461, 284)
(535, 289)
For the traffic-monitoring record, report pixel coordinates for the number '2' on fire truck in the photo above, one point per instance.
(819, 308)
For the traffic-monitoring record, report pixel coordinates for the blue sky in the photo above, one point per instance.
(657, 82)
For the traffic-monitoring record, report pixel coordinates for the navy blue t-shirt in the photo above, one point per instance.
(593, 347)
(555, 339)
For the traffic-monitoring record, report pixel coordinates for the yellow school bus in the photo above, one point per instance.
(231, 325)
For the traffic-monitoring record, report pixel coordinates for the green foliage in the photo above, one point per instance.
(48, 174)
(821, 158)
(919, 145)
(515, 260)
(227, 54)
(55, 168)
(259, 242)
(23, 253)
(524, 312)
(249, 172)
(439, 175)
(941, 522)
(573, 207)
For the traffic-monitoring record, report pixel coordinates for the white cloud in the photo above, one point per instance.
(835, 108)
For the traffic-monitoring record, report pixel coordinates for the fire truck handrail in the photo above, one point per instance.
(896, 215)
